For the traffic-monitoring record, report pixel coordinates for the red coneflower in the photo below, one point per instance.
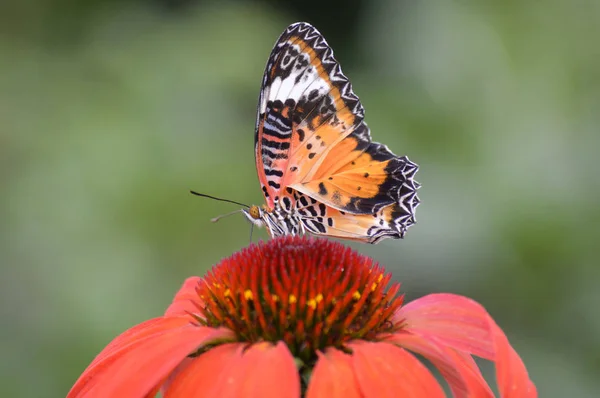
(299, 317)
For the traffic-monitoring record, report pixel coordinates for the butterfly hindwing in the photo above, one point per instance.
(320, 219)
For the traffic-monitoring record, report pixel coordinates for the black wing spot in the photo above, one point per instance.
(289, 190)
(330, 221)
(322, 208)
(293, 168)
(277, 105)
(322, 189)
(309, 146)
(358, 188)
(274, 172)
(330, 178)
(318, 137)
(320, 227)
(287, 203)
(303, 201)
(342, 213)
(290, 102)
(274, 184)
(265, 192)
(300, 134)
(313, 95)
(275, 144)
(323, 143)
(353, 163)
(366, 175)
(311, 155)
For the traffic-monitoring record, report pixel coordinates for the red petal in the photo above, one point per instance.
(144, 329)
(333, 377)
(385, 370)
(186, 300)
(460, 371)
(137, 368)
(455, 321)
(204, 373)
(511, 374)
(262, 371)
(476, 385)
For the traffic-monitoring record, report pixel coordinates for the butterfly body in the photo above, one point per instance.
(279, 221)
(319, 170)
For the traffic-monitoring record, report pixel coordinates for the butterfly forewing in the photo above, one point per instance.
(306, 108)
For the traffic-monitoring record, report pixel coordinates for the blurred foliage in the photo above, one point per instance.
(111, 111)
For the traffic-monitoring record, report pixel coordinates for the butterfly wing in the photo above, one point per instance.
(311, 139)
(320, 219)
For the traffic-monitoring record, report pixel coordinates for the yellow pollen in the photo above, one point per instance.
(379, 278)
(374, 286)
(275, 298)
(292, 299)
(319, 298)
(227, 293)
(356, 295)
(216, 285)
(248, 295)
(312, 303)
(262, 345)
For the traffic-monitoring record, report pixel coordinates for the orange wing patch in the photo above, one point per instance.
(348, 188)
(359, 176)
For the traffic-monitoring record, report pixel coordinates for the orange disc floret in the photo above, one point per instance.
(310, 293)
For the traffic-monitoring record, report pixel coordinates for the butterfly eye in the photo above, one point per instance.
(254, 211)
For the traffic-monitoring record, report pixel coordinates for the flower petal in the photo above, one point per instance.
(476, 384)
(511, 374)
(385, 370)
(264, 370)
(151, 327)
(203, 375)
(333, 377)
(455, 321)
(137, 368)
(460, 371)
(186, 300)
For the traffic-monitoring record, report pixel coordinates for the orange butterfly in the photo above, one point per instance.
(318, 168)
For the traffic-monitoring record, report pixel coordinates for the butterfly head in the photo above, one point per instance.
(255, 214)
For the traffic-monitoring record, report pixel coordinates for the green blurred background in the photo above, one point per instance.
(110, 111)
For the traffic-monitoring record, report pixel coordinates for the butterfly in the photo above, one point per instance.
(319, 171)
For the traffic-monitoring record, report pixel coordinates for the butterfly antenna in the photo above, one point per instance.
(217, 218)
(219, 199)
